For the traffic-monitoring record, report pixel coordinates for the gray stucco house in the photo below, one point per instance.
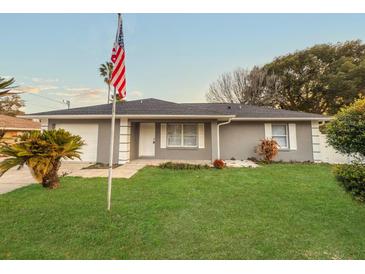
(152, 128)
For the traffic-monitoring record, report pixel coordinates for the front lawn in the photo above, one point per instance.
(281, 211)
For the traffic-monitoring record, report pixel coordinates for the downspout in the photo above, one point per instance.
(218, 142)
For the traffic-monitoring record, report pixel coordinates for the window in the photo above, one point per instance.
(280, 135)
(182, 135)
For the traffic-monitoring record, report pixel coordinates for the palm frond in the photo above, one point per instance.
(6, 83)
(9, 163)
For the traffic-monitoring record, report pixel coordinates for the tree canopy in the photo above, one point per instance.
(11, 105)
(319, 79)
(254, 87)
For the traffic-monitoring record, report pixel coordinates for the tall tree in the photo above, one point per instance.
(11, 105)
(256, 87)
(320, 79)
(105, 71)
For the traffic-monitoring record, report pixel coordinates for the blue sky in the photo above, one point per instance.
(169, 56)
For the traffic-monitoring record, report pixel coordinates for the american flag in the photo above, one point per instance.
(118, 56)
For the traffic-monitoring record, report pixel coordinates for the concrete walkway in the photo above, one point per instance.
(15, 178)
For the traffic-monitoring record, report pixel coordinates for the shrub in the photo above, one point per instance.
(268, 148)
(352, 178)
(42, 152)
(181, 166)
(346, 132)
(220, 164)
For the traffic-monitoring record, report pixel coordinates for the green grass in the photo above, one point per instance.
(280, 211)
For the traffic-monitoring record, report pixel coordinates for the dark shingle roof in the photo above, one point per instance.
(249, 111)
(159, 107)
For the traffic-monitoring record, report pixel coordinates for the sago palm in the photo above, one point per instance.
(42, 152)
(106, 71)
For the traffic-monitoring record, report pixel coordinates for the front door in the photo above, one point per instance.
(146, 140)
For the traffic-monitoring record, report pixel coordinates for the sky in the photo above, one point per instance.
(175, 57)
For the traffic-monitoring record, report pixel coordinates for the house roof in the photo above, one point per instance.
(250, 111)
(9, 122)
(157, 107)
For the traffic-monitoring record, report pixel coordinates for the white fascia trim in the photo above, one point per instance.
(284, 119)
(161, 116)
(107, 116)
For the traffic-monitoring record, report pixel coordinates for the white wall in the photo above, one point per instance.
(322, 151)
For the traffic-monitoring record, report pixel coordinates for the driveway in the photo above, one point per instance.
(16, 178)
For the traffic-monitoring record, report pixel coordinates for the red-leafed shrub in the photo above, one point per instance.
(219, 164)
(268, 149)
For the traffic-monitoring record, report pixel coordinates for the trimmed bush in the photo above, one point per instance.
(182, 166)
(346, 132)
(268, 149)
(219, 164)
(352, 178)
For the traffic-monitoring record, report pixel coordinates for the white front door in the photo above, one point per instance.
(88, 133)
(147, 139)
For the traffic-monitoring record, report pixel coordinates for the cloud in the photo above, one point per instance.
(45, 87)
(136, 94)
(43, 80)
(28, 89)
(78, 89)
(35, 89)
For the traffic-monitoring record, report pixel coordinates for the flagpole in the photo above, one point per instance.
(110, 170)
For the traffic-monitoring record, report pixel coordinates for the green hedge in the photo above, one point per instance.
(352, 178)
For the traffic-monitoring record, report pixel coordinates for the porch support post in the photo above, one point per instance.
(214, 136)
(316, 142)
(44, 124)
(124, 141)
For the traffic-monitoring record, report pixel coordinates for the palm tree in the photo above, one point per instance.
(106, 72)
(42, 152)
(5, 86)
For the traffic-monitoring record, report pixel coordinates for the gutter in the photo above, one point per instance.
(143, 116)
(133, 116)
(283, 119)
(218, 142)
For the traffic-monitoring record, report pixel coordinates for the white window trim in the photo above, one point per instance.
(182, 135)
(287, 147)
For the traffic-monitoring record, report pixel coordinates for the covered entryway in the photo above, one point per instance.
(146, 140)
(89, 133)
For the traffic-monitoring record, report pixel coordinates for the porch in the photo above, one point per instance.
(180, 140)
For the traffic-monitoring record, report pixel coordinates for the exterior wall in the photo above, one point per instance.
(103, 136)
(322, 151)
(240, 139)
(44, 124)
(213, 132)
(184, 153)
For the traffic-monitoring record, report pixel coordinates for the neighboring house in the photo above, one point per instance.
(12, 127)
(152, 128)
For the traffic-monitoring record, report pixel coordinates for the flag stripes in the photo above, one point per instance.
(118, 56)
